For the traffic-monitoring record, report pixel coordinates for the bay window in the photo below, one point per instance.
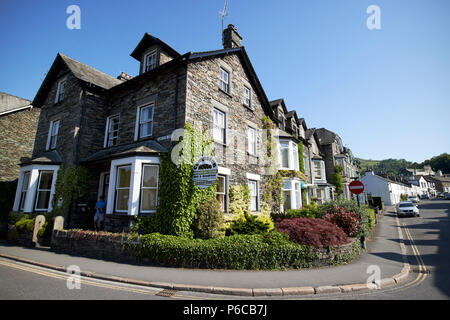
(44, 190)
(123, 188)
(24, 190)
(284, 153)
(149, 188)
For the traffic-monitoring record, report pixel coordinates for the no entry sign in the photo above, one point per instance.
(356, 187)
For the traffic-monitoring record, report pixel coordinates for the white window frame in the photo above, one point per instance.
(248, 99)
(38, 190)
(225, 191)
(296, 160)
(225, 84)
(281, 154)
(135, 183)
(256, 183)
(52, 137)
(60, 91)
(108, 131)
(34, 170)
(153, 65)
(117, 188)
(315, 169)
(222, 127)
(149, 188)
(252, 138)
(24, 190)
(139, 123)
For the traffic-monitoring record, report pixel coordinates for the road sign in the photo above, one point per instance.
(356, 187)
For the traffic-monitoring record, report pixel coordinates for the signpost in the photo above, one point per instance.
(357, 187)
(205, 172)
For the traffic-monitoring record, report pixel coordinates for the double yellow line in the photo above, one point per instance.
(61, 276)
(423, 271)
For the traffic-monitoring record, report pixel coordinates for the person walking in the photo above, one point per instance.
(99, 217)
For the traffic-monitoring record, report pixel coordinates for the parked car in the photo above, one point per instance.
(424, 196)
(407, 208)
(440, 195)
(413, 199)
(447, 196)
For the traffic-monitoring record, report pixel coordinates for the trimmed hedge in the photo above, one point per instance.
(252, 252)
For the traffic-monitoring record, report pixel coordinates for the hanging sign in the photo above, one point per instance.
(205, 172)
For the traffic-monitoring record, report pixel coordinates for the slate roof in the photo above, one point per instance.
(10, 103)
(89, 74)
(142, 147)
(309, 133)
(149, 40)
(49, 157)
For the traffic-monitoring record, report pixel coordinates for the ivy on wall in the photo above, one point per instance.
(71, 184)
(337, 179)
(179, 197)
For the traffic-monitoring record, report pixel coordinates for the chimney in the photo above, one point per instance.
(124, 76)
(231, 38)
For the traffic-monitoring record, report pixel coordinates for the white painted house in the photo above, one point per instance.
(389, 190)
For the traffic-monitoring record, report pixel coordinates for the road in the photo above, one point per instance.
(426, 239)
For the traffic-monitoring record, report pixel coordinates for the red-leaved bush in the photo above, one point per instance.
(314, 232)
(347, 221)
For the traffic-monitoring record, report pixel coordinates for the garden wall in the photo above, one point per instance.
(116, 247)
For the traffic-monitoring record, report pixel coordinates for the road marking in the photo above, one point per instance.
(96, 283)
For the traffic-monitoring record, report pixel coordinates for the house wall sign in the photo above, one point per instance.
(205, 172)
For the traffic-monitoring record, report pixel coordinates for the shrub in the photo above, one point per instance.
(309, 211)
(25, 225)
(239, 196)
(372, 218)
(15, 216)
(250, 224)
(251, 252)
(209, 220)
(347, 221)
(403, 197)
(314, 232)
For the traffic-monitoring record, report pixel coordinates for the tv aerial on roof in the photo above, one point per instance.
(224, 12)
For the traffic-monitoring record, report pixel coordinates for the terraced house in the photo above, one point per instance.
(119, 127)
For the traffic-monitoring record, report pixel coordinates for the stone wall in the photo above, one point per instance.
(168, 91)
(203, 95)
(68, 112)
(113, 247)
(17, 132)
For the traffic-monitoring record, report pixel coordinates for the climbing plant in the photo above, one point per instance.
(337, 179)
(71, 184)
(179, 197)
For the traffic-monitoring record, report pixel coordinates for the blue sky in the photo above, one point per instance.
(385, 92)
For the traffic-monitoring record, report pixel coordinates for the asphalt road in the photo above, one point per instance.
(426, 240)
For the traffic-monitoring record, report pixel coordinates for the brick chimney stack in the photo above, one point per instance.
(124, 76)
(231, 38)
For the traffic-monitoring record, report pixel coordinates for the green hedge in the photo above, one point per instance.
(25, 225)
(251, 252)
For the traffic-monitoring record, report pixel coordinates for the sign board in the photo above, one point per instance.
(356, 187)
(205, 172)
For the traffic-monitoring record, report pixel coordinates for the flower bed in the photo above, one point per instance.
(271, 251)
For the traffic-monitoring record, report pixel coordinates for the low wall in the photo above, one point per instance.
(110, 246)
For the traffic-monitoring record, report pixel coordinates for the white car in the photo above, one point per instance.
(413, 199)
(407, 208)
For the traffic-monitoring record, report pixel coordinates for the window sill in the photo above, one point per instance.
(252, 155)
(250, 108)
(220, 143)
(227, 93)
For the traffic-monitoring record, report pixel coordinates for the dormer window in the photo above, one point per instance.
(282, 119)
(150, 61)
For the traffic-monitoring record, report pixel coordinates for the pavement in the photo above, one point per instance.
(384, 264)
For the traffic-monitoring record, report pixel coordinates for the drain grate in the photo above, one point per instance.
(168, 293)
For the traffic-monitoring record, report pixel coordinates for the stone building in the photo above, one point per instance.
(18, 123)
(119, 127)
